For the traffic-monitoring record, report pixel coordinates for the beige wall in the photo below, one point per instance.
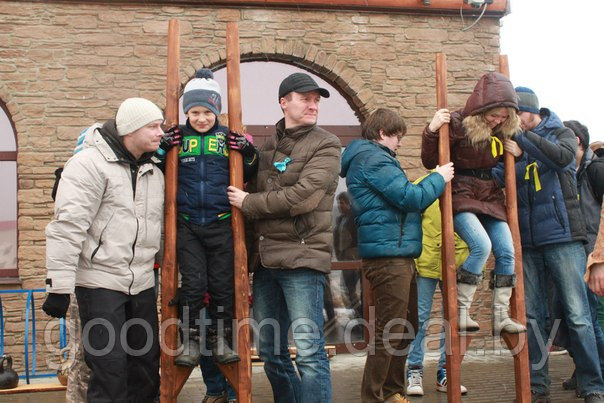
(64, 66)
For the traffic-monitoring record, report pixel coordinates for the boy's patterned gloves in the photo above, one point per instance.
(238, 142)
(173, 137)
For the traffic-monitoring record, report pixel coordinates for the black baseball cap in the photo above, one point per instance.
(300, 82)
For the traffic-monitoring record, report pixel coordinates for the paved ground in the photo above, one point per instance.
(488, 378)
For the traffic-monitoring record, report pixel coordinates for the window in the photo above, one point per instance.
(8, 198)
(345, 297)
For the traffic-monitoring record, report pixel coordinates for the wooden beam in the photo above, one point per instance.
(172, 376)
(34, 387)
(240, 373)
(448, 247)
(518, 343)
(8, 155)
(496, 9)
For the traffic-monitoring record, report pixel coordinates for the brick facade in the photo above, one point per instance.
(66, 65)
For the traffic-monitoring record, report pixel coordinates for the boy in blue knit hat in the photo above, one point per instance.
(204, 237)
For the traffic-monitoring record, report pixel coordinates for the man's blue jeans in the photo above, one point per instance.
(216, 383)
(425, 295)
(565, 263)
(483, 233)
(284, 298)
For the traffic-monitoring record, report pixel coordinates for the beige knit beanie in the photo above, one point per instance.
(135, 113)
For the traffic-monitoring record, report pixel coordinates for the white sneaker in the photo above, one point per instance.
(441, 382)
(414, 383)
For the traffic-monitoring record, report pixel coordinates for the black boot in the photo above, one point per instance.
(220, 345)
(189, 357)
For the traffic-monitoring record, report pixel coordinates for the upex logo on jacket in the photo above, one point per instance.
(214, 144)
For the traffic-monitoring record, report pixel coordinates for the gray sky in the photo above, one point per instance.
(555, 48)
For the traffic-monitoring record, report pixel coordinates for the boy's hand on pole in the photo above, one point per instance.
(239, 142)
(447, 171)
(173, 137)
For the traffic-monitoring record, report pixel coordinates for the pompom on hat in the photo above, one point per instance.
(527, 100)
(204, 91)
(135, 113)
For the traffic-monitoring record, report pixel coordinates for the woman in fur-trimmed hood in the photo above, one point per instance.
(476, 140)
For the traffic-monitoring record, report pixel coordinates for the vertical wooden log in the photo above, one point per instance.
(241, 281)
(517, 343)
(169, 273)
(448, 247)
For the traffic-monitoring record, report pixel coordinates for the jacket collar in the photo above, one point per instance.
(383, 147)
(586, 161)
(293, 132)
(107, 141)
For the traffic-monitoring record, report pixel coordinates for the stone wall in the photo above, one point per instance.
(66, 65)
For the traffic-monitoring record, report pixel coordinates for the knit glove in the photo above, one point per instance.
(173, 137)
(238, 142)
(56, 305)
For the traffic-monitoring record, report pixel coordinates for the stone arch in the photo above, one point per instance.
(8, 273)
(10, 109)
(309, 57)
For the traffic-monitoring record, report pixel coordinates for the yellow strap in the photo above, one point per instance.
(494, 143)
(535, 175)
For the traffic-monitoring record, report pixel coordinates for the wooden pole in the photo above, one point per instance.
(240, 374)
(448, 247)
(172, 376)
(518, 343)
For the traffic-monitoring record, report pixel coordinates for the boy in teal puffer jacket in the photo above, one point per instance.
(387, 213)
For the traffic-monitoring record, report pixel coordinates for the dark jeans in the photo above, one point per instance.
(205, 261)
(565, 263)
(216, 383)
(285, 298)
(563, 338)
(121, 344)
(395, 298)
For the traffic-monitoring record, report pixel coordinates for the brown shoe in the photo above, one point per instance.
(397, 398)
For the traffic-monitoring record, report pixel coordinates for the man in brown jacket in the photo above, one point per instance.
(291, 205)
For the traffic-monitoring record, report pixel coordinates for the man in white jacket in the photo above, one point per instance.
(102, 243)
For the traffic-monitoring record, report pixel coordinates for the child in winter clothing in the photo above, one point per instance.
(429, 275)
(477, 133)
(204, 238)
(387, 212)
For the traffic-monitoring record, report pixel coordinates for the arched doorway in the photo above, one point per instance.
(8, 198)
(344, 308)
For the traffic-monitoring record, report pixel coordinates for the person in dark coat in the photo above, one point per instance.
(476, 140)
(590, 184)
(552, 231)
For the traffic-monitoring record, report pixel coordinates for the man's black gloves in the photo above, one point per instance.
(173, 137)
(238, 142)
(56, 305)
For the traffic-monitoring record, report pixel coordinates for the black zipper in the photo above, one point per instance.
(135, 237)
(96, 249)
(400, 237)
(557, 212)
(131, 260)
